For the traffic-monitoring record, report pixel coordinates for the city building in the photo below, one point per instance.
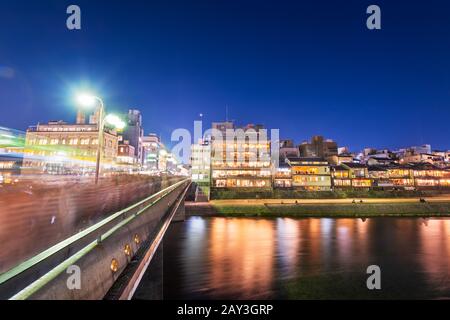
(400, 176)
(288, 150)
(413, 157)
(163, 156)
(171, 163)
(240, 163)
(359, 174)
(318, 147)
(282, 176)
(380, 177)
(133, 133)
(341, 158)
(374, 157)
(57, 146)
(311, 174)
(151, 145)
(383, 160)
(351, 175)
(201, 169)
(427, 175)
(126, 154)
(341, 176)
(10, 167)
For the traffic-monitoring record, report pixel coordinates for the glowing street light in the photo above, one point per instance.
(87, 100)
(115, 121)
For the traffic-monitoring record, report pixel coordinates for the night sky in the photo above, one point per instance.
(306, 67)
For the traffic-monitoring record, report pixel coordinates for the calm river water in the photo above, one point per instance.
(285, 258)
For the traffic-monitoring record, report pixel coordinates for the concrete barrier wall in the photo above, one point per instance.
(96, 274)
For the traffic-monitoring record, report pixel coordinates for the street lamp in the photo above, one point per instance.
(115, 121)
(89, 101)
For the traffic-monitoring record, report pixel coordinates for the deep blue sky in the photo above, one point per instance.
(306, 67)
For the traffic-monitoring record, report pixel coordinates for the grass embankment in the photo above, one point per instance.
(418, 209)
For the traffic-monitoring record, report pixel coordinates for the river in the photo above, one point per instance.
(286, 258)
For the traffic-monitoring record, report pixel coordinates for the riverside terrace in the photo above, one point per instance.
(316, 174)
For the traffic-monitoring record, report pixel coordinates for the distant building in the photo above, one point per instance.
(341, 158)
(311, 174)
(342, 150)
(341, 176)
(359, 174)
(171, 163)
(126, 154)
(288, 149)
(351, 175)
(134, 132)
(10, 167)
(282, 176)
(318, 147)
(237, 163)
(151, 145)
(54, 146)
(426, 148)
(412, 157)
(223, 126)
(201, 169)
(380, 177)
(383, 161)
(427, 175)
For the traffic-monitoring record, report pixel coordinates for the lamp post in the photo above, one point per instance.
(88, 101)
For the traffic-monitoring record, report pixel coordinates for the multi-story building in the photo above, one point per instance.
(400, 176)
(351, 175)
(171, 163)
(151, 145)
(373, 157)
(380, 161)
(288, 150)
(318, 147)
(340, 158)
(312, 174)
(134, 132)
(359, 174)
(412, 157)
(427, 175)
(380, 177)
(282, 176)
(240, 162)
(126, 154)
(426, 148)
(56, 146)
(201, 168)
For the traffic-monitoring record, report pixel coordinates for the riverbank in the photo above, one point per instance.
(280, 194)
(408, 207)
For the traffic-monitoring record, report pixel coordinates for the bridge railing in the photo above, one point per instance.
(27, 278)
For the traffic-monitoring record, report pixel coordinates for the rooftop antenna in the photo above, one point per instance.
(226, 112)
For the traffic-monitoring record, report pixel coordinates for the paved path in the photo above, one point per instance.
(441, 198)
